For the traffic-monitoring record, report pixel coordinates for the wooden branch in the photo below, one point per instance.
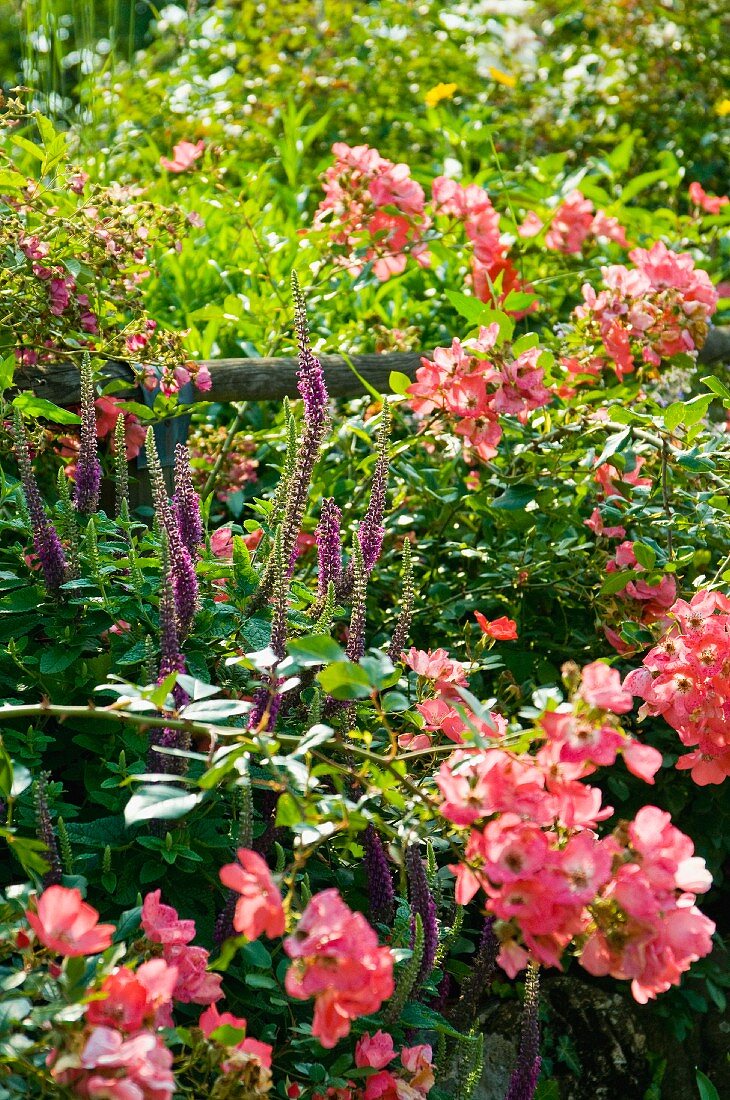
(716, 348)
(272, 379)
(236, 379)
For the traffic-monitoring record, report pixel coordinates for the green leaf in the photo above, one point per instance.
(6, 773)
(345, 680)
(7, 365)
(615, 582)
(30, 405)
(287, 811)
(517, 300)
(161, 692)
(10, 180)
(613, 443)
(158, 802)
(317, 735)
(718, 388)
(399, 382)
(640, 183)
(525, 343)
(477, 313)
(696, 408)
(22, 599)
(57, 659)
(28, 851)
(706, 1088)
(227, 1035)
(674, 415)
(214, 710)
(315, 649)
(244, 573)
(260, 981)
(644, 555)
(255, 954)
(514, 498)
(14, 1010)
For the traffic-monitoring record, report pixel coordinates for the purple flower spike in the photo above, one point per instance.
(182, 569)
(45, 537)
(371, 530)
(171, 660)
(88, 468)
(186, 503)
(329, 547)
(380, 883)
(266, 706)
(422, 903)
(45, 833)
(310, 379)
(523, 1082)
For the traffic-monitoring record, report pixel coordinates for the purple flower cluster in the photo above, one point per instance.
(310, 378)
(371, 529)
(182, 569)
(423, 904)
(403, 625)
(479, 979)
(186, 503)
(523, 1082)
(87, 478)
(46, 542)
(380, 883)
(45, 833)
(329, 546)
(171, 660)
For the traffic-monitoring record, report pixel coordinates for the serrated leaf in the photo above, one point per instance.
(30, 405)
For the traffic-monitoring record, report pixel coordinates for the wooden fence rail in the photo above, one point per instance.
(272, 379)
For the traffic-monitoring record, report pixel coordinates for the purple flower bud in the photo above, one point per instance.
(45, 833)
(422, 902)
(87, 477)
(479, 979)
(186, 503)
(171, 660)
(356, 636)
(184, 585)
(380, 884)
(266, 707)
(523, 1082)
(224, 929)
(45, 537)
(329, 548)
(403, 624)
(371, 530)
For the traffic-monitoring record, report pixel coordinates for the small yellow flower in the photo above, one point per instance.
(722, 107)
(507, 79)
(441, 91)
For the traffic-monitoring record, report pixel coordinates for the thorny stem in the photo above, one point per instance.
(665, 495)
